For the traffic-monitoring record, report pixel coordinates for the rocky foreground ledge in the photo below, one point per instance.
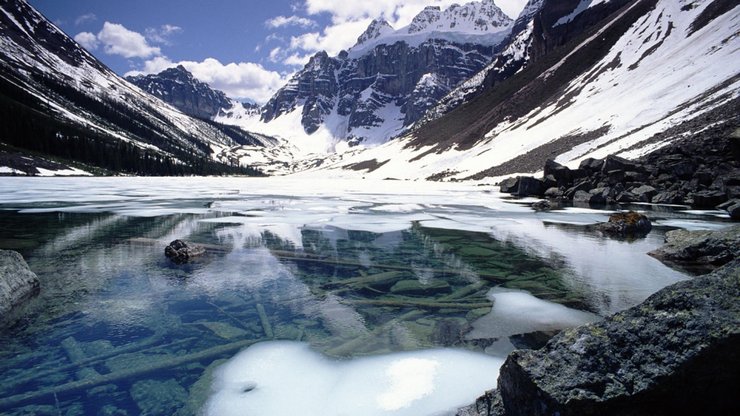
(676, 353)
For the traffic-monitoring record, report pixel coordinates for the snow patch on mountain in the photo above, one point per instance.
(657, 75)
(481, 22)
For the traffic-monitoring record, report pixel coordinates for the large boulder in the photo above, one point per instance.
(676, 353)
(17, 282)
(709, 198)
(181, 252)
(626, 224)
(700, 247)
(734, 211)
(529, 186)
(509, 185)
(561, 174)
(615, 163)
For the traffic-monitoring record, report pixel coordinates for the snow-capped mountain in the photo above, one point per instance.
(178, 87)
(59, 100)
(384, 83)
(578, 79)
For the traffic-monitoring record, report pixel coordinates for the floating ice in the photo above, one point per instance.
(287, 378)
(516, 312)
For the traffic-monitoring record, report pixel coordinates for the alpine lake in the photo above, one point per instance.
(302, 281)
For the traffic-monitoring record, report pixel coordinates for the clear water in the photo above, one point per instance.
(351, 269)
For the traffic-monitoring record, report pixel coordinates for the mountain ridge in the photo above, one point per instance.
(372, 92)
(633, 71)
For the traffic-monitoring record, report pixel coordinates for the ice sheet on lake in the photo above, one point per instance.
(517, 312)
(287, 378)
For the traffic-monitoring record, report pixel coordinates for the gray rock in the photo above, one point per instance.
(554, 193)
(668, 197)
(692, 248)
(615, 163)
(600, 195)
(626, 197)
(676, 353)
(543, 205)
(591, 165)
(561, 174)
(734, 211)
(709, 199)
(509, 185)
(530, 186)
(626, 224)
(644, 193)
(181, 252)
(581, 197)
(17, 282)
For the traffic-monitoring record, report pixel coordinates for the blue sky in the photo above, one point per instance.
(246, 48)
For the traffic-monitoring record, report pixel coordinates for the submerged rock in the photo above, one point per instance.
(17, 282)
(626, 224)
(676, 353)
(181, 252)
(415, 287)
(155, 397)
(700, 248)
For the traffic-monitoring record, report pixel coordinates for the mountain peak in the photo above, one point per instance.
(177, 86)
(377, 28)
(480, 22)
(476, 17)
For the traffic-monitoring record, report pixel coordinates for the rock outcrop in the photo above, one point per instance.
(17, 282)
(702, 171)
(700, 248)
(181, 252)
(676, 353)
(626, 224)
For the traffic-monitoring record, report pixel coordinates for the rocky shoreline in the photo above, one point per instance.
(701, 172)
(676, 353)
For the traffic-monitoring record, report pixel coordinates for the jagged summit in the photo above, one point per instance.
(475, 17)
(377, 28)
(385, 82)
(178, 87)
(480, 22)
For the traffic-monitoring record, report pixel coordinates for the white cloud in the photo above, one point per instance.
(88, 40)
(117, 40)
(88, 17)
(238, 80)
(281, 21)
(275, 54)
(162, 34)
(350, 18)
(332, 39)
(297, 60)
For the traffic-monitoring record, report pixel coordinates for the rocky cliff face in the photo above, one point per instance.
(542, 26)
(599, 79)
(178, 87)
(390, 78)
